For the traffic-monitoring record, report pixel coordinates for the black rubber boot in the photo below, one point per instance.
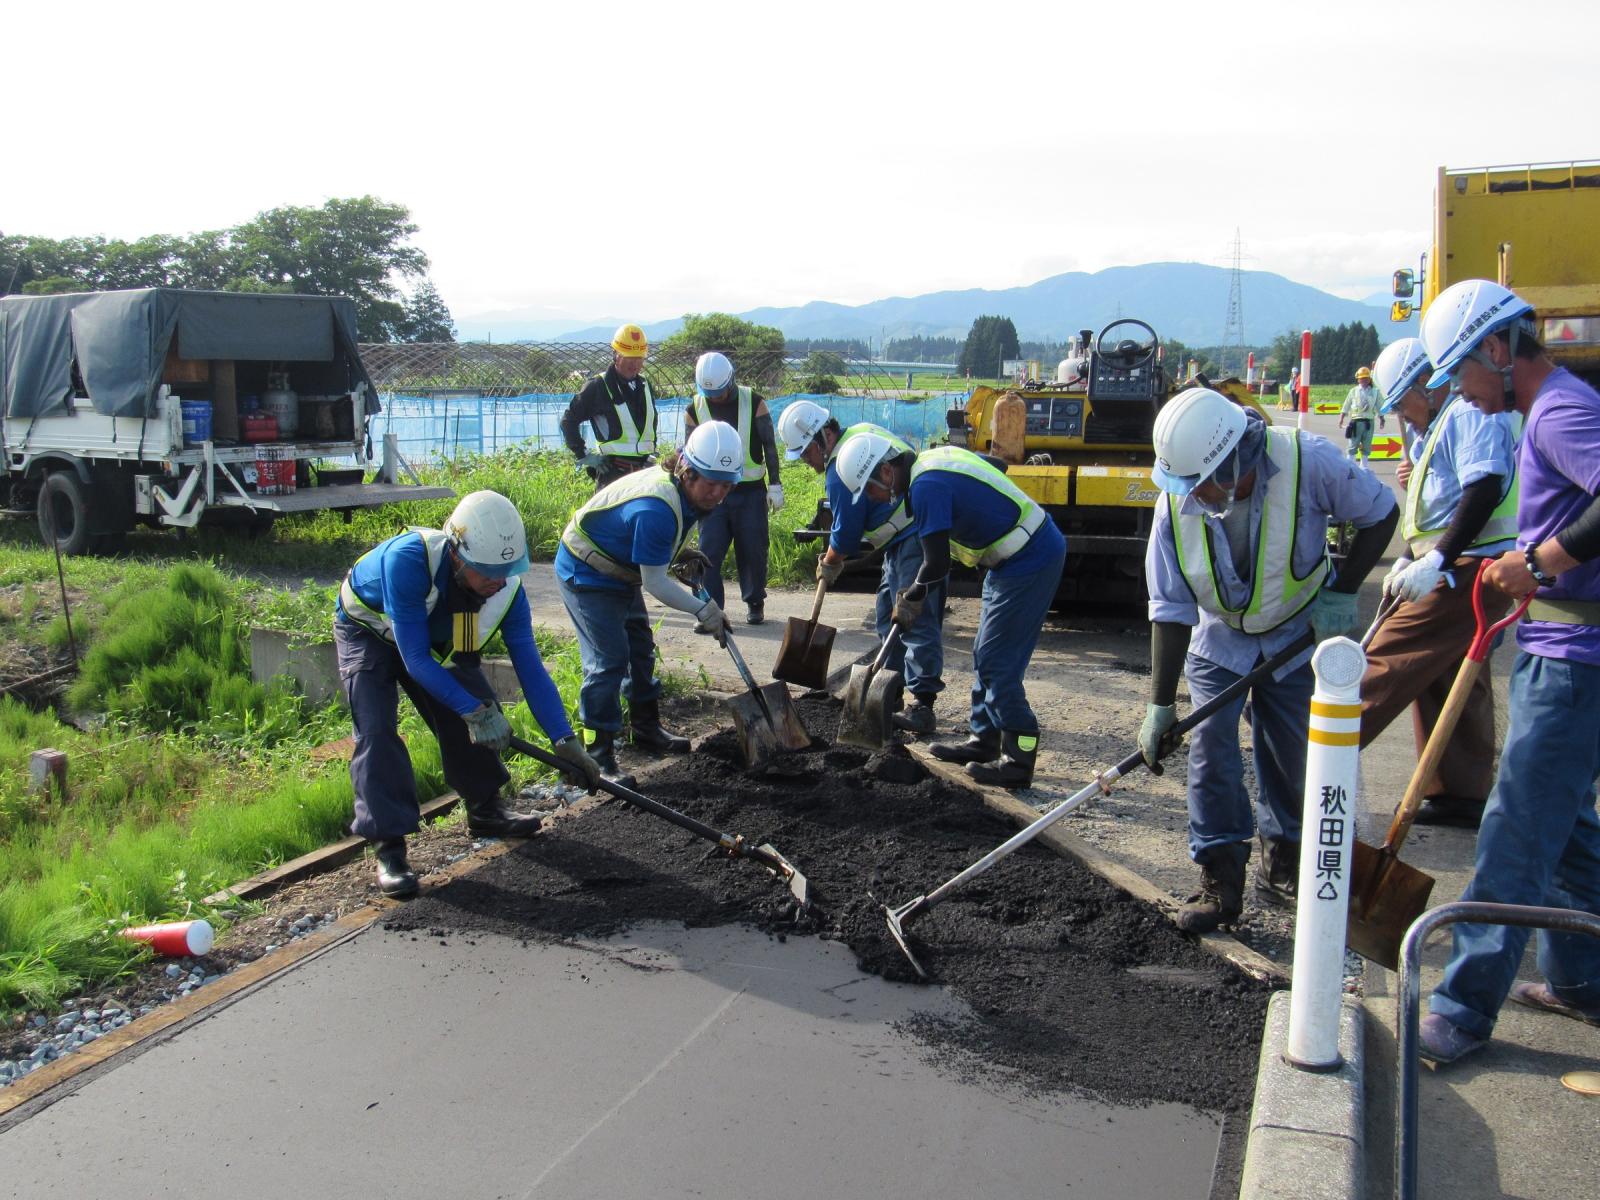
(650, 734)
(602, 747)
(1278, 872)
(489, 819)
(1221, 896)
(917, 717)
(1014, 768)
(974, 750)
(395, 877)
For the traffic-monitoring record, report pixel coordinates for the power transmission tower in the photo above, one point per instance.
(1230, 357)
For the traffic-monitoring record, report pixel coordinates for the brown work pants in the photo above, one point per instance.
(1413, 659)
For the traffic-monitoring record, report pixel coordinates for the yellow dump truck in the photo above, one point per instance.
(1533, 228)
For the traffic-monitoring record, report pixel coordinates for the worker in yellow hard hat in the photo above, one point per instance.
(1361, 407)
(621, 411)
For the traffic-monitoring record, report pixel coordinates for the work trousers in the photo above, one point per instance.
(740, 520)
(919, 656)
(1014, 608)
(1220, 810)
(1413, 659)
(617, 649)
(1539, 844)
(372, 674)
(1359, 431)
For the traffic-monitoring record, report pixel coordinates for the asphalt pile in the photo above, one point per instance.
(1073, 985)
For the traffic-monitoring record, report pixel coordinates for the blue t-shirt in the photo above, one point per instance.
(1471, 446)
(977, 515)
(851, 520)
(640, 532)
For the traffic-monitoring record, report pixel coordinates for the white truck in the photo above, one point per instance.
(144, 407)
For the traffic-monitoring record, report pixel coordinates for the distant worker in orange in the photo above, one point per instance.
(621, 410)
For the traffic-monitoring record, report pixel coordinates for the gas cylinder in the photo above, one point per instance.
(280, 401)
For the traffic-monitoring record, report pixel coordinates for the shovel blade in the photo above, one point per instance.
(758, 739)
(803, 657)
(767, 854)
(1386, 897)
(870, 702)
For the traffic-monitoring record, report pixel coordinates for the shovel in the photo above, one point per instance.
(871, 698)
(764, 717)
(898, 917)
(732, 843)
(803, 658)
(1387, 895)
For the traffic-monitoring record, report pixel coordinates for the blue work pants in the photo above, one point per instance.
(1220, 810)
(919, 656)
(1539, 844)
(740, 521)
(1014, 608)
(617, 648)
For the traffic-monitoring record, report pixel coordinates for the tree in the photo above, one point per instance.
(756, 350)
(426, 317)
(989, 341)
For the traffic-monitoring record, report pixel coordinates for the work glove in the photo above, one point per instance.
(775, 497)
(1414, 580)
(1158, 718)
(584, 771)
(908, 606)
(829, 572)
(711, 622)
(591, 462)
(488, 726)
(690, 567)
(1333, 614)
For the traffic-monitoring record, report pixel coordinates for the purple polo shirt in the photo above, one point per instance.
(1558, 470)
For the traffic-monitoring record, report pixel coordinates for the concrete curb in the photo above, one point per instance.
(1306, 1128)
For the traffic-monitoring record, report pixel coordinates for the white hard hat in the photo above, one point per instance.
(798, 423)
(713, 374)
(487, 532)
(1463, 315)
(1193, 434)
(860, 457)
(1401, 366)
(715, 451)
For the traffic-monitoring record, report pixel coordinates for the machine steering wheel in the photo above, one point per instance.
(1125, 352)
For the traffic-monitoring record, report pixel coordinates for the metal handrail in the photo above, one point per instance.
(1566, 920)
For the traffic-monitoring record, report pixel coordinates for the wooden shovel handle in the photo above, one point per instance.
(816, 605)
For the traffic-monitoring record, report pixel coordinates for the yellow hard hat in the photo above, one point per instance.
(630, 342)
(1363, 373)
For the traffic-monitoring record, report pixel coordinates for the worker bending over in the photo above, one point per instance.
(1241, 548)
(811, 435)
(621, 410)
(414, 613)
(741, 520)
(967, 509)
(614, 549)
(1460, 507)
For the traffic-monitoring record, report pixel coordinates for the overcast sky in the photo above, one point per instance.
(642, 160)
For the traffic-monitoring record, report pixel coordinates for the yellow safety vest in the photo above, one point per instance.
(899, 519)
(1030, 517)
(747, 428)
(1276, 593)
(1501, 525)
(469, 631)
(653, 482)
(631, 442)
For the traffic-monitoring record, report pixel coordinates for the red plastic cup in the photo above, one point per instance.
(175, 939)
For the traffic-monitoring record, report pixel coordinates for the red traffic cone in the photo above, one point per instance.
(175, 938)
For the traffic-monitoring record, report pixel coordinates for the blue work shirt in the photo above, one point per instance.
(1472, 445)
(393, 580)
(851, 520)
(975, 514)
(1332, 488)
(639, 532)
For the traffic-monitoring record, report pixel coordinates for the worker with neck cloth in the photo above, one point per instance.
(966, 509)
(1239, 547)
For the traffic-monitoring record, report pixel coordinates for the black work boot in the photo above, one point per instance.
(395, 876)
(1014, 768)
(488, 818)
(1221, 896)
(602, 747)
(650, 734)
(1278, 871)
(974, 750)
(917, 717)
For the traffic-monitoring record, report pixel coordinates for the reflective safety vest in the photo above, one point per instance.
(1501, 525)
(747, 428)
(1030, 517)
(879, 536)
(630, 442)
(469, 631)
(651, 483)
(1276, 593)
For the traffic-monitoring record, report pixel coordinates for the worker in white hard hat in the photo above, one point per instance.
(1362, 406)
(741, 520)
(615, 548)
(414, 614)
(1239, 548)
(620, 409)
(1539, 842)
(966, 509)
(1460, 507)
(810, 434)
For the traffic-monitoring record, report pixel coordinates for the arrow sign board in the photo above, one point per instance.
(1386, 447)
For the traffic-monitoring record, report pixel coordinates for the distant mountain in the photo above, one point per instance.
(1186, 301)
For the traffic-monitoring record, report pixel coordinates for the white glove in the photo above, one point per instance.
(710, 621)
(775, 497)
(1415, 580)
(487, 726)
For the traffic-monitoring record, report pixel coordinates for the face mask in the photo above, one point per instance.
(1225, 477)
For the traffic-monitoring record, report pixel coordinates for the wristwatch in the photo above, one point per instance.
(1539, 576)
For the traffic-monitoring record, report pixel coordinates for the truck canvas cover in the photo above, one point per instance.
(120, 341)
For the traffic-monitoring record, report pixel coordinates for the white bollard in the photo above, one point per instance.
(1328, 834)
